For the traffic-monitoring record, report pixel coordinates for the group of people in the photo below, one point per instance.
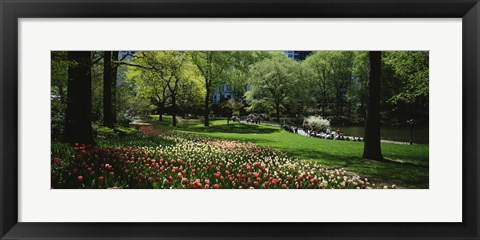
(289, 128)
(335, 135)
(249, 119)
(327, 134)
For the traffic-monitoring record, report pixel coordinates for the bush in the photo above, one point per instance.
(105, 132)
(57, 119)
(317, 123)
(125, 131)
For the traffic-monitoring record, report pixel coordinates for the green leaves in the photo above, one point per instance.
(271, 83)
(412, 69)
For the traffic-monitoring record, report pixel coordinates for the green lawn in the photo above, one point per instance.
(408, 165)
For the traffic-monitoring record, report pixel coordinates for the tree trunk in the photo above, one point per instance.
(207, 103)
(161, 106)
(372, 149)
(277, 109)
(78, 122)
(323, 109)
(174, 110)
(114, 86)
(107, 89)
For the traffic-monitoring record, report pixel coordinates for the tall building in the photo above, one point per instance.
(297, 55)
(222, 93)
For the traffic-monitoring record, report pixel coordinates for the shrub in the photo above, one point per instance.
(104, 131)
(317, 123)
(57, 119)
(124, 131)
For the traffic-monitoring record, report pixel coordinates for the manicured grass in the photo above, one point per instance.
(408, 166)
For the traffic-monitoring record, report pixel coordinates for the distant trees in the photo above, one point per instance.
(320, 74)
(337, 86)
(330, 75)
(78, 128)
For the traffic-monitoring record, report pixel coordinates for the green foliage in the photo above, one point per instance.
(212, 66)
(412, 69)
(232, 106)
(161, 76)
(57, 118)
(59, 72)
(331, 75)
(97, 87)
(271, 83)
(103, 132)
(332, 84)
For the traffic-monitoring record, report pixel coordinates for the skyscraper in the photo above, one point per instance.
(297, 55)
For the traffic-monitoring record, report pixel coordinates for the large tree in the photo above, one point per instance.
(212, 65)
(330, 74)
(162, 72)
(271, 83)
(372, 149)
(78, 128)
(107, 89)
(319, 74)
(149, 84)
(176, 65)
(114, 84)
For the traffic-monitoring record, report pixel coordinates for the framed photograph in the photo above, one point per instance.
(239, 119)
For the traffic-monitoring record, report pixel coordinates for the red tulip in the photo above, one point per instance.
(108, 166)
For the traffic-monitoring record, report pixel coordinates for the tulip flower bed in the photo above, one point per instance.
(192, 162)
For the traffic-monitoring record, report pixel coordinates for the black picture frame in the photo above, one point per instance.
(11, 11)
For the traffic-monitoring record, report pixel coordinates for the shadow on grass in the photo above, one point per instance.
(407, 175)
(228, 128)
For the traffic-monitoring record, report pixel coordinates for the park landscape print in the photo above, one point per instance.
(239, 119)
